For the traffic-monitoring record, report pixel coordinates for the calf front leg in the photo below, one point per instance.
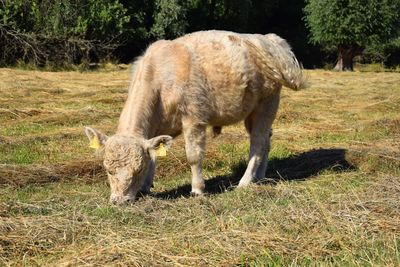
(195, 137)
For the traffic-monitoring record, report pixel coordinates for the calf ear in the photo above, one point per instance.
(154, 144)
(96, 138)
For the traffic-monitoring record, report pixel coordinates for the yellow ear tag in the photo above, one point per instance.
(94, 143)
(161, 151)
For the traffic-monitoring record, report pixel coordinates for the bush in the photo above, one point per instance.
(61, 32)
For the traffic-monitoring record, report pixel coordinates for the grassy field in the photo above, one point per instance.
(331, 197)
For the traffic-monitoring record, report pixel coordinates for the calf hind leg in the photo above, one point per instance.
(258, 124)
(259, 141)
(261, 170)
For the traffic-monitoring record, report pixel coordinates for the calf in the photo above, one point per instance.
(204, 78)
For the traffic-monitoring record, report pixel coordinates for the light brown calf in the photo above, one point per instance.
(205, 78)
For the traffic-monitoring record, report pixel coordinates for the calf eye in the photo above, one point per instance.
(110, 172)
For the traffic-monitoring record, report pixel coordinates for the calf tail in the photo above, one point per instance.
(277, 61)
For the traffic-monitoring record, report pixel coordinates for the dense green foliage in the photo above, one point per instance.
(59, 32)
(46, 31)
(353, 25)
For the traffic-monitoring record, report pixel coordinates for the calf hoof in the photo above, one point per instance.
(243, 183)
(196, 192)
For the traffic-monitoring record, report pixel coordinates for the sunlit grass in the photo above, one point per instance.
(330, 197)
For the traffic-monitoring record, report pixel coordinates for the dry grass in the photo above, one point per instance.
(331, 196)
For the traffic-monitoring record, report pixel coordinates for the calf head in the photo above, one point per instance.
(126, 160)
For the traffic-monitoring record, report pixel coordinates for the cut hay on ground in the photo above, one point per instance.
(330, 197)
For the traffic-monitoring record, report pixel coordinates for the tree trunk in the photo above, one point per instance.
(345, 58)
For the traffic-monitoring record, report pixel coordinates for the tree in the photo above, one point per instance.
(169, 19)
(351, 25)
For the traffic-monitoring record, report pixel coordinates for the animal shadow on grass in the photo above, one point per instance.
(297, 167)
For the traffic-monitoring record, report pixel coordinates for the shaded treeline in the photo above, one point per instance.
(58, 33)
